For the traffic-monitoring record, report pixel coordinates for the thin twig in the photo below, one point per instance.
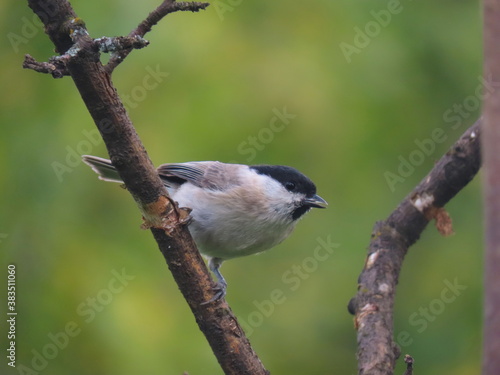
(55, 67)
(374, 301)
(409, 365)
(166, 7)
(120, 43)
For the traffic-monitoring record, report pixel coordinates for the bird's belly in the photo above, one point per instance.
(226, 230)
(237, 241)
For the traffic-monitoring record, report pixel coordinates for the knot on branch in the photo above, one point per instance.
(363, 312)
(164, 214)
(57, 65)
(424, 203)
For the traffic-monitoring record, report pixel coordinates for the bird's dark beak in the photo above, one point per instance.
(315, 201)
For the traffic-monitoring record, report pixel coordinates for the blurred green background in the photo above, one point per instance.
(362, 83)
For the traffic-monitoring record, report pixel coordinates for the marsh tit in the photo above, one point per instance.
(237, 210)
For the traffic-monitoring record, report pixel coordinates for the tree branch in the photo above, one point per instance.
(374, 301)
(167, 222)
(57, 64)
(491, 190)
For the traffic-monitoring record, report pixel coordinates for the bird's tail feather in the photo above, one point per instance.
(103, 168)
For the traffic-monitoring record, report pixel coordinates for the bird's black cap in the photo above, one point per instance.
(289, 177)
(293, 181)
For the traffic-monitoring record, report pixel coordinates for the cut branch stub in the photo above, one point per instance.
(165, 8)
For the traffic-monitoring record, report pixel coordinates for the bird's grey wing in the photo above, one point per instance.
(205, 174)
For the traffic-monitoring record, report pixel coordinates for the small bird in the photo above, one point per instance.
(236, 209)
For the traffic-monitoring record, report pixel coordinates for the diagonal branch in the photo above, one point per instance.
(391, 238)
(216, 320)
(166, 7)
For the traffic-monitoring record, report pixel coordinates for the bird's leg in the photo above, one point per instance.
(220, 290)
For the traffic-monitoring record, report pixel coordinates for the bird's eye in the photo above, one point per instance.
(290, 186)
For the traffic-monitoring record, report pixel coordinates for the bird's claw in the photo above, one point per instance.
(220, 293)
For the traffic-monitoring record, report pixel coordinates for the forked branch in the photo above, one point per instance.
(118, 47)
(166, 7)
